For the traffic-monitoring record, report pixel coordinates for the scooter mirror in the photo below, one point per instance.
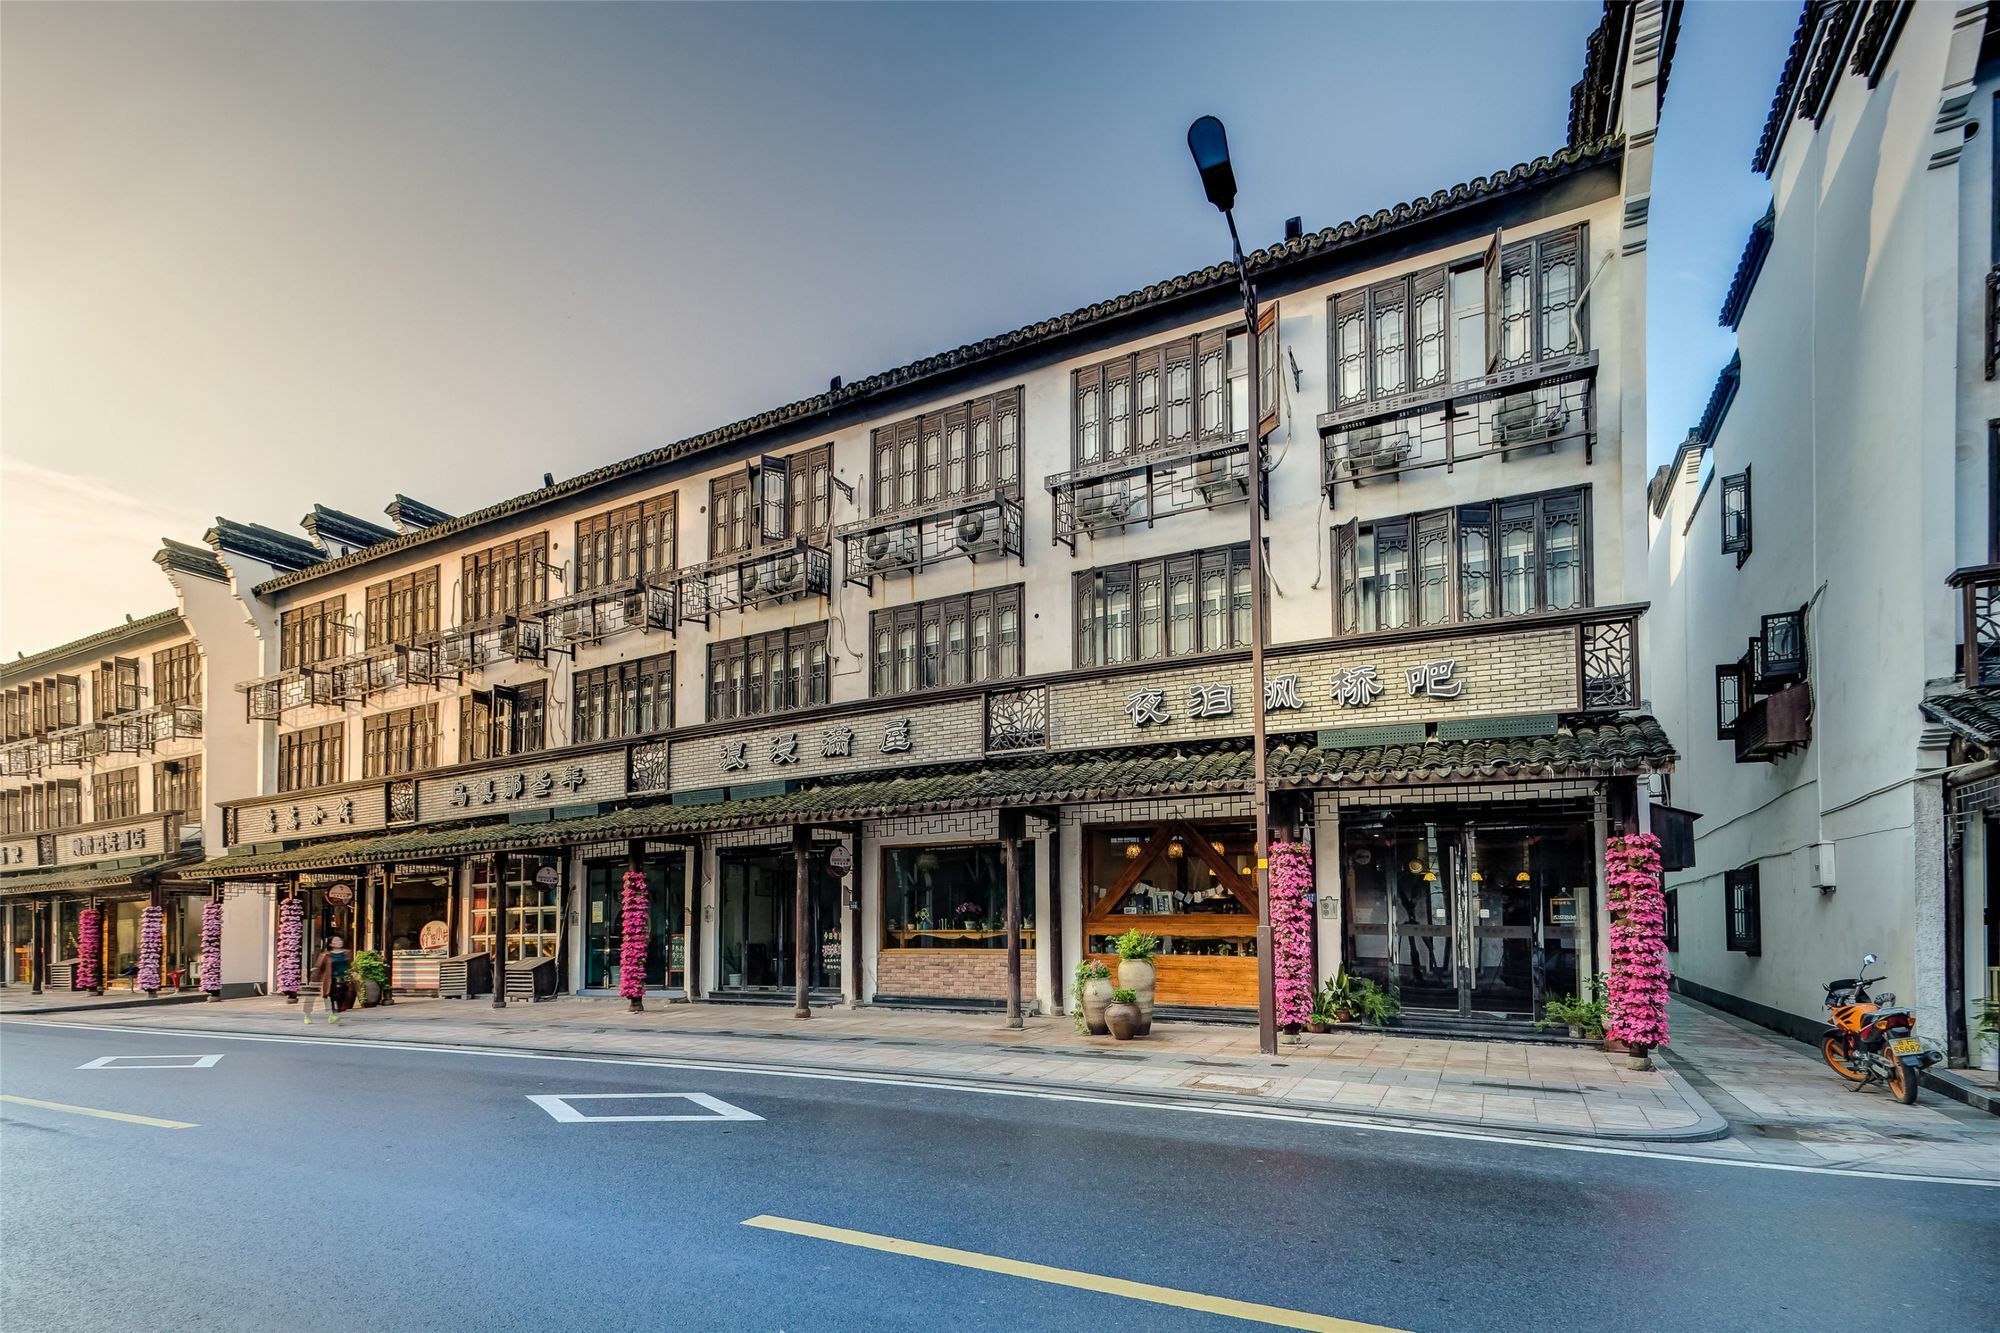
(1867, 961)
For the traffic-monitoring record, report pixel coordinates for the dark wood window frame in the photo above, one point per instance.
(741, 515)
(312, 757)
(1184, 393)
(403, 740)
(1199, 603)
(1471, 541)
(941, 643)
(502, 721)
(401, 609)
(742, 684)
(1735, 513)
(1671, 930)
(630, 541)
(312, 632)
(177, 674)
(504, 579)
(42, 807)
(622, 699)
(971, 448)
(1743, 924)
(177, 785)
(1732, 696)
(115, 795)
(114, 690)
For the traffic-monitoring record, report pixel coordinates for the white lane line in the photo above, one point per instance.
(561, 1111)
(153, 1062)
(1329, 1121)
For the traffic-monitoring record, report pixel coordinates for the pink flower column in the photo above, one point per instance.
(89, 947)
(152, 939)
(1291, 880)
(635, 906)
(1637, 992)
(291, 936)
(211, 949)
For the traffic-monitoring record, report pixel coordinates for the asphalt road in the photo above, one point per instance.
(340, 1187)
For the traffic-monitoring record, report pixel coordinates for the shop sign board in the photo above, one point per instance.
(553, 781)
(108, 842)
(20, 853)
(289, 818)
(930, 735)
(339, 894)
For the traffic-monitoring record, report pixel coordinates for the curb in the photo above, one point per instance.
(1949, 1084)
(1709, 1125)
(101, 1006)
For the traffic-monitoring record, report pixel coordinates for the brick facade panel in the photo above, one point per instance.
(960, 974)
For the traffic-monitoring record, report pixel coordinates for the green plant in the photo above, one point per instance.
(1086, 971)
(1334, 998)
(732, 961)
(1989, 1017)
(1124, 995)
(1136, 947)
(1587, 1014)
(1374, 1004)
(368, 966)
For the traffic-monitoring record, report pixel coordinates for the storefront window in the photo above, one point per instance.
(21, 944)
(1190, 885)
(180, 956)
(604, 929)
(420, 924)
(534, 906)
(954, 897)
(121, 943)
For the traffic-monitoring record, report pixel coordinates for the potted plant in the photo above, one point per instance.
(1089, 993)
(1583, 1016)
(1373, 1004)
(1135, 951)
(732, 965)
(373, 975)
(1122, 1014)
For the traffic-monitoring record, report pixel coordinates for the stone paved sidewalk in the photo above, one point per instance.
(1507, 1086)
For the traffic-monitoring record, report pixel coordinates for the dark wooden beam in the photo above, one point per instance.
(801, 921)
(496, 897)
(1011, 827)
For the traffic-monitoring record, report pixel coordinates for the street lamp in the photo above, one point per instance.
(1209, 143)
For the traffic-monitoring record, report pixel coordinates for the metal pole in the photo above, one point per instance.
(801, 921)
(1010, 850)
(1260, 791)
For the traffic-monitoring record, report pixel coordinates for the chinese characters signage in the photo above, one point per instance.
(522, 785)
(1353, 687)
(304, 816)
(784, 749)
(146, 837)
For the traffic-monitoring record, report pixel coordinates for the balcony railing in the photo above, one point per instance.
(1530, 409)
(269, 698)
(1979, 624)
(1608, 664)
(903, 541)
(596, 614)
(760, 576)
(1774, 726)
(24, 759)
(1115, 493)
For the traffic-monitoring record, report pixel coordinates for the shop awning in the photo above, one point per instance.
(1597, 748)
(1973, 715)
(86, 879)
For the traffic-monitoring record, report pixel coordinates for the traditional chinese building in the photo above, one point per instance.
(1826, 647)
(836, 676)
(103, 769)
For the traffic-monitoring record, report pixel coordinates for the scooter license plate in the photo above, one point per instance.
(1906, 1046)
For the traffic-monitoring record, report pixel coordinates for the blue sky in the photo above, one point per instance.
(257, 257)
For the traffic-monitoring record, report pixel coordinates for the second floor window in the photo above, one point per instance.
(1192, 390)
(757, 504)
(115, 795)
(624, 699)
(42, 808)
(177, 786)
(502, 721)
(1470, 562)
(402, 608)
(967, 449)
(946, 642)
(177, 674)
(314, 757)
(312, 633)
(769, 673)
(403, 741)
(1736, 516)
(114, 688)
(1153, 609)
(502, 580)
(625, 543)
(1516, 305)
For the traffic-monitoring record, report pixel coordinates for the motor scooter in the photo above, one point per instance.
(1870, 1041)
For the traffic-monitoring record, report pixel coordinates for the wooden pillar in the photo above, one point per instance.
(38, 944)
(1049, 932)
(802, 941)
(634, 853)
(496, 894)
(1011, 823)
(107, 944)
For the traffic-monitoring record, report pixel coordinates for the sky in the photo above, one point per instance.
(257, 257)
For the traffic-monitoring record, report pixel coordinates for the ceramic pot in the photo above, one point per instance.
(371, 994)
(1575, 1031)
(1096, 995)
(1136, 975)
(1316, 1026)
(1639, 1058)
(1122, 1019)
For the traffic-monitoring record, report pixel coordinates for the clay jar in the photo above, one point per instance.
(1096, 995)
(1136, 975)
(1122, 1019)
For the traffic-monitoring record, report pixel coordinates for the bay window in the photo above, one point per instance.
(946, 642)
(1154, 609)
(968, 449)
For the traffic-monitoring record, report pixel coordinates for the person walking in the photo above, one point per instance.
(329, 973)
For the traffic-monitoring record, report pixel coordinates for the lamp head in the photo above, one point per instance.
(1209, 143)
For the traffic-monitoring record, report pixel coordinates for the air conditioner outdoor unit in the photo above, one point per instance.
(1522, 419)
(886, 550)
(784, 576)
(1378, 449)
(978, 534)
(1215, 481)
(1103, 509)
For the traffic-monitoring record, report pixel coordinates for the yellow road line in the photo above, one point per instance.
(101, 1115)
(1275, 1315)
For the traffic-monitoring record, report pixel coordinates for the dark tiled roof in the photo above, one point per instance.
(186, 559)
(409, 515)
(1100, 317)
(1788, 77)
(1668, 475)
(1877, 38)
(1719, 399)
(1600, 747)
(1839, 18)
(1594, 98)
(278, 549)
(90, 643)
(1973, 714)
(78, 878)
(330, 528)
(1755, 251)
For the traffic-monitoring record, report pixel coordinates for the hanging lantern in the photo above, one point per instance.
(1522, 878)
(1416, 867)
(1478, 878)
(1131, 851)
(1175, 851)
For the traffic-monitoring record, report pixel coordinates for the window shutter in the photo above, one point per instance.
(128, 684)
(1491, 263)
(1346, 576)
(69, 701)
(1745, 924)
(1212, 386)
(1730, 689)
(1350, 349)
(1087, 415)
(1007, 430)
(1267, 370)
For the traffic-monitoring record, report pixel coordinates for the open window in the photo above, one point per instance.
(1736, 516)
(1732, 692)
(1745, 928)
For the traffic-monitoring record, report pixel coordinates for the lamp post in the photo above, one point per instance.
(1209, 144)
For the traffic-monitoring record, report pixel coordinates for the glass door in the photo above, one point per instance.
(1425, 912)
(756, 903)
(604, 924)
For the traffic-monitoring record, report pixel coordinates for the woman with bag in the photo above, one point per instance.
(330, 972)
